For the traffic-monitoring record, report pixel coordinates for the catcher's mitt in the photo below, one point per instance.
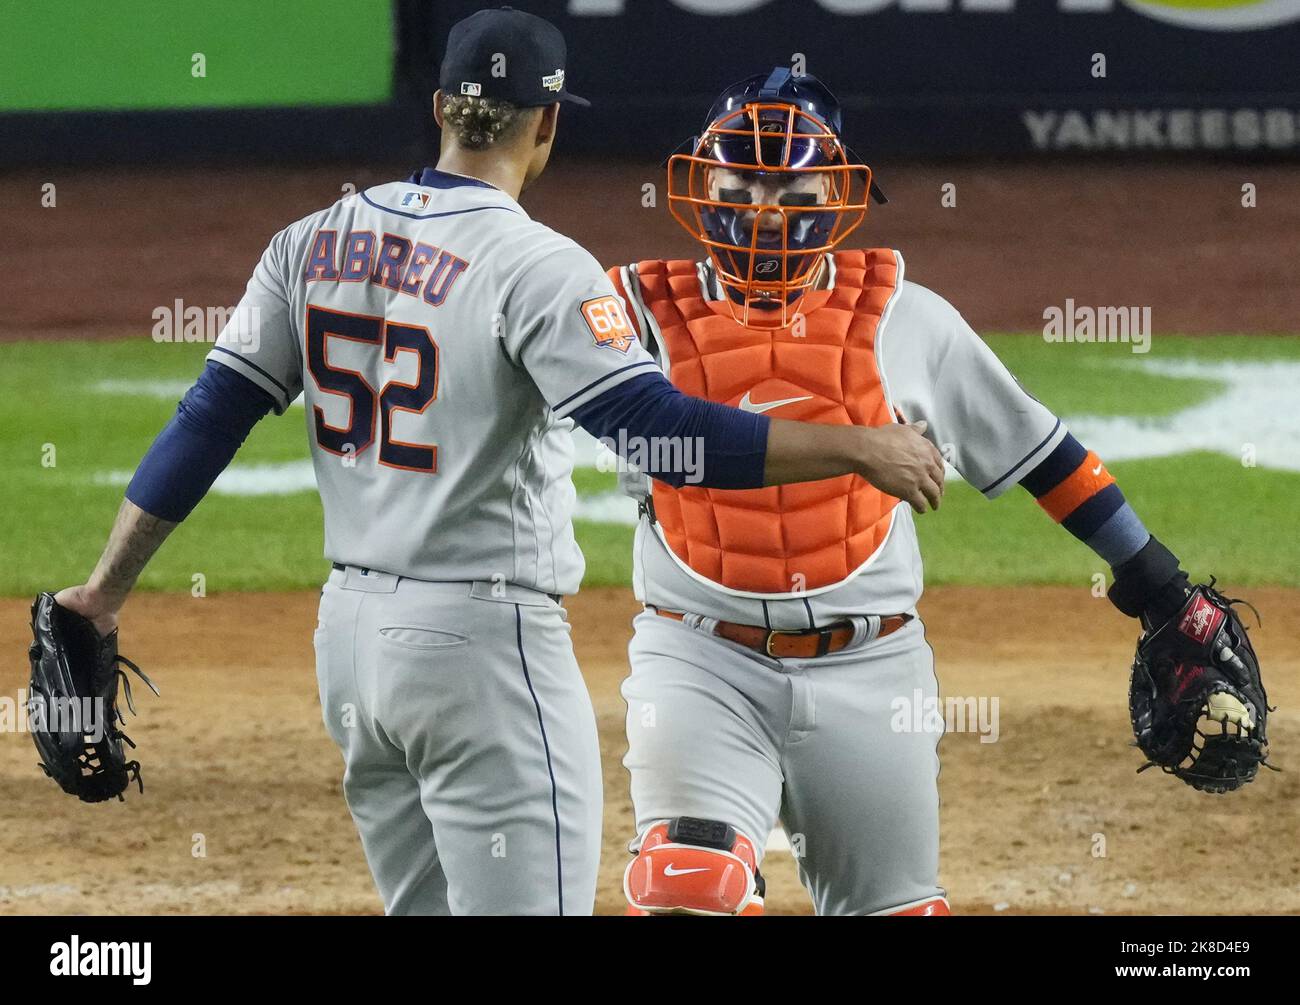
(1199, 669)
(72, 704)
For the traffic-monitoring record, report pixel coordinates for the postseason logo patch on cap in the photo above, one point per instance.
(554, 81)
(471, 89)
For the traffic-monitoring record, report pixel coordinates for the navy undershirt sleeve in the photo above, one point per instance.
(211, 423)
(691, 441)
(1103, 519)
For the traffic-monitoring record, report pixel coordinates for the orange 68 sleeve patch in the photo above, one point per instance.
(608, 323)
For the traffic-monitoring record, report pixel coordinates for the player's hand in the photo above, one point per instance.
(901, 462)
(90, 603)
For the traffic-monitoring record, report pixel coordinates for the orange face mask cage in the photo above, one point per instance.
(762, 302)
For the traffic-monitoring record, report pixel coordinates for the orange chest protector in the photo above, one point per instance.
(790, 539)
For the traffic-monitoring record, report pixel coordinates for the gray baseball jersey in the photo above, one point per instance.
(441, 338)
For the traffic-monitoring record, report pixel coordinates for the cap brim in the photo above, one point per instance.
(573, 99)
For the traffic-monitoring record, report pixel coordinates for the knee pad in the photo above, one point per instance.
(692, 866)
(932, 908)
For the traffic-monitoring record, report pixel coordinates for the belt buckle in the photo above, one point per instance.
(772, 633)
(823, 640)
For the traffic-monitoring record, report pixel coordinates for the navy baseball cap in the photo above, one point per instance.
(506, 54)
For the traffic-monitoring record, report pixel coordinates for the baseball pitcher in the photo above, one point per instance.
(780, 626)
(445, 345)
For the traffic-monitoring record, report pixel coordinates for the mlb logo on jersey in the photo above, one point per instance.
(417, 199)
(609, 325)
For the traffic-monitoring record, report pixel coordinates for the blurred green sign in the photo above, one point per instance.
(83, 55)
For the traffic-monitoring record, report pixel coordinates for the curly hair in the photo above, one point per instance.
(478, 123)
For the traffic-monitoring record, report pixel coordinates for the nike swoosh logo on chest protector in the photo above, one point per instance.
(746, 405)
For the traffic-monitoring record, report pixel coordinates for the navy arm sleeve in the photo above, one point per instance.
(211, 423)
(676, 438)
(1072, 486)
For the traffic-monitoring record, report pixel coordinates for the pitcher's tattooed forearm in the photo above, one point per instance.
(136, 536)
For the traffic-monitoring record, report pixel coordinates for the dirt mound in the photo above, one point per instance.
(243, 811)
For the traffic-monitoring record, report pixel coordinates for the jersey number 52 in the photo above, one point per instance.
(367, 404)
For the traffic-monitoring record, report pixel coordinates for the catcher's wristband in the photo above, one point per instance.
(1150, 584)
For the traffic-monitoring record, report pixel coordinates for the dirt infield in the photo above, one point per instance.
(238, 766)
(117, 245)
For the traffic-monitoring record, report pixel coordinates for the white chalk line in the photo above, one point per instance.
(1257, 410)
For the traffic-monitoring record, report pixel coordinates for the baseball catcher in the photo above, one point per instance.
(72, 703)
(780, 646)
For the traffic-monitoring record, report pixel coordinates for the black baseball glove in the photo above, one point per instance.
(72, 704)
(1196, 699)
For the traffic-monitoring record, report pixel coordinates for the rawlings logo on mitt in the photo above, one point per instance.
(1196, 678)
(72, 704)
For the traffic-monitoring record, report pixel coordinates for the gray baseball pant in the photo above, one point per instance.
(717, 731)
(472, 766)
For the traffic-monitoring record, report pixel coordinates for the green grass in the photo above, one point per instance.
(1074, 379)
(57, 520)
(1221, 518)
(1202, 4)
(1235, 522)
(608, 550)
(589, 481)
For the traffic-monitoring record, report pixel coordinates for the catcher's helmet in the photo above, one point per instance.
(769, 128)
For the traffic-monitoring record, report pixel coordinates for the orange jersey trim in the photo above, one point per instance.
(1084, 482)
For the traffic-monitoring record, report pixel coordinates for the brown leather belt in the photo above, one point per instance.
(807, 643)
